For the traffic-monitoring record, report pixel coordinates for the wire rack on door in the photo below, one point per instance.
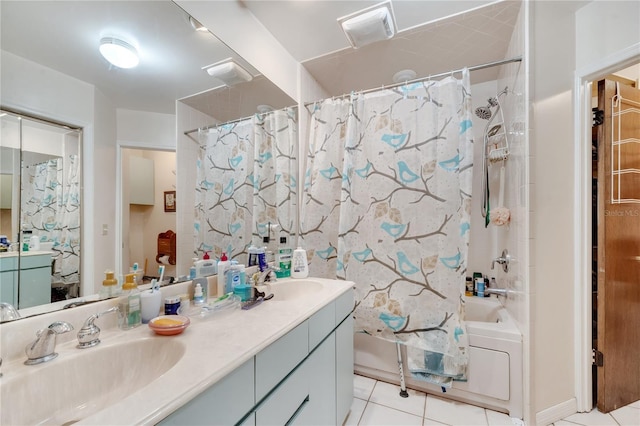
(625, 150)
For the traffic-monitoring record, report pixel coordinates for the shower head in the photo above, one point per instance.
(483, 112)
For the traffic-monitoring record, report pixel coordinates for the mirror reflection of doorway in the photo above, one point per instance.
(147, 174)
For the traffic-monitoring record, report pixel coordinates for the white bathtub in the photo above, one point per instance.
(494, 374)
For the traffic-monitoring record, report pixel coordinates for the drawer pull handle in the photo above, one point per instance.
(298, 411)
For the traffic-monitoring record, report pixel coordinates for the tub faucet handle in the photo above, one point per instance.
(503, 260)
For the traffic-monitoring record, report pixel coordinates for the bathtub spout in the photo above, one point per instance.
(496, 291)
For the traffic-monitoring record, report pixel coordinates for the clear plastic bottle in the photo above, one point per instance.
(129, 306)
(223, 265)
(300, 267)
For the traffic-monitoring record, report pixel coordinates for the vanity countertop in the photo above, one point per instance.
(215, 346)
(25, 253)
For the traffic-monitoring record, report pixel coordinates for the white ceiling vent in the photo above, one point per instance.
(369, 25)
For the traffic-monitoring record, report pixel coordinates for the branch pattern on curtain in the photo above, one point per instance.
(246, 179)
(386, 204)
(51, 208)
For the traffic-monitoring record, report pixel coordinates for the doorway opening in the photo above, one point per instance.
(615, 161)
(148, 212)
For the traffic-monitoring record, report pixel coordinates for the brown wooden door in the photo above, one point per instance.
(618, 379)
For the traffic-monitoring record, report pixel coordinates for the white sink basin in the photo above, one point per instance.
(294, 289)
(80, 383)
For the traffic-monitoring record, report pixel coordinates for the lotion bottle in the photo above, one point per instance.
(223, 265)
(129, 306)
(299, 267)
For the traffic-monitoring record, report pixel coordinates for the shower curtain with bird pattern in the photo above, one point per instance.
(386, 204)
(246, 180)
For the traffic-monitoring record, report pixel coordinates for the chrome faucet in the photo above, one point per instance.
(263, 278)
(89, 334)
(8, 312)
(43, 348)
(496, 291)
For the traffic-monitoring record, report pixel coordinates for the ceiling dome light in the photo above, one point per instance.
(119, 53)
(404, 76)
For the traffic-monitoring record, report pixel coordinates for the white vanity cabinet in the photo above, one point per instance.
(303, 378)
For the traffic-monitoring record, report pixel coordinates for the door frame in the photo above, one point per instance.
(582, 226)
(120, 204)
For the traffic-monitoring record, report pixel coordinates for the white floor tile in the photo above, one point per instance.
(379, 415)
(389, 395)
(355, 413)
(429, 422)
(362, 387)
(634, 405)
(594, 418)
(627, 416)
(498, 419)
(453, 412)
(563, 423)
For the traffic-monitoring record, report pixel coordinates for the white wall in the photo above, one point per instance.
(37, 90)
(564, 38)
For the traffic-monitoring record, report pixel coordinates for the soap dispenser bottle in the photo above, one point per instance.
(129, 315)
(223, 266)
(110, 284)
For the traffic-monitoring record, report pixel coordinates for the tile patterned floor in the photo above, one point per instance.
(378, 403)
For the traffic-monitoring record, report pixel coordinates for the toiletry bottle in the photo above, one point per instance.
(198, 296)
(206, 256)
(262, 259)
(491, 284)
(253, 255)
(129, 304)
(192, 270)
(468, 291)
(223, 265)
(110, 284)
(284, 259)
(480, 287)
(300, 267)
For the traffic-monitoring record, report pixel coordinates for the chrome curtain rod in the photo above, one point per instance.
(421, 79)
(212, 126)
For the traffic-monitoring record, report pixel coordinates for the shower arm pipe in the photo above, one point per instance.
(434, 76)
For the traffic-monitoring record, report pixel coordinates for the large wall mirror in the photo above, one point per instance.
(52, 69)
(41, 212)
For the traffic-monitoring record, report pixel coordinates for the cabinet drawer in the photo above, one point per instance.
(36, 261)
(276, 361)
(224, 403)
(321, 324)
(344, 306)
(287, 402)
(8, 263)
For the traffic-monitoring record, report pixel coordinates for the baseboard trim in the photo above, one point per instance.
(557, 412)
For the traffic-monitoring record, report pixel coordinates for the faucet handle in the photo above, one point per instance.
(89, 334)
(503, 260)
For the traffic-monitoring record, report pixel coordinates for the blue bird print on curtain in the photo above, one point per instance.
(394, 322)
(393, 230)
(404, 264)
(465, 125)
(395, 141)
(405, 173)
(451, 164)
(229, 189)
(452, 262)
